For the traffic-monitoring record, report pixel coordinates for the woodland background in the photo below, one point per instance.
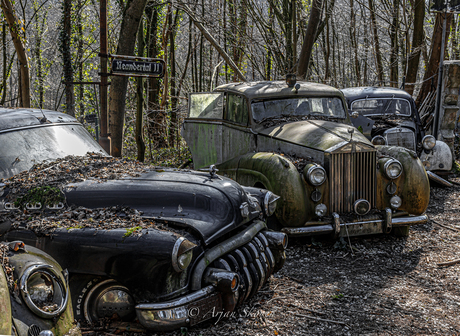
(342, 43)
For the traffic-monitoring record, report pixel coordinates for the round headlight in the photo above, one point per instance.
(362, 207)
(270, 203)
(428, 142)
(182, 254)
(393, 168)
(395, 202)
(43, 291)
(378, 140)
(316, 175)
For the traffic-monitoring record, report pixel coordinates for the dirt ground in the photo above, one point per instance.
(382, 285)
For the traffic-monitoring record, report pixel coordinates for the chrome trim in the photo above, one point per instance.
(175, 251)
(200, 294)
(25, 294)
(438, 179)
(357, 202)
(276, 239)
(328, 228)
(223, 248)
(309, 172)
(385, 166)
(267, 202)
(352, 176)
(423, 141)
(378, 137)
(222, 279)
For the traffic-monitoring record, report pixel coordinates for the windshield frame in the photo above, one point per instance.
(386, 113)
(310, 115)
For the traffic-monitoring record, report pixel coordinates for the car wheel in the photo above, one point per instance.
(401, 231)
(95, 297)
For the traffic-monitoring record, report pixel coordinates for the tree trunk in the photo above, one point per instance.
(394, 52)
(433, 64)
(309, 40)
(354, 42)
(377, 53)
(67, 58)
(117, 96)
(139, 132)
(14, 24)
(417, 42)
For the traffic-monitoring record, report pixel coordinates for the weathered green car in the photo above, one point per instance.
(297, 141)
(34, 293)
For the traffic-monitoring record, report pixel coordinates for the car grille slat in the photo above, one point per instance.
(401, 137)
(352, 177)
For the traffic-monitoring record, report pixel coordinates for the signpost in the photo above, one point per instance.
(146, 67)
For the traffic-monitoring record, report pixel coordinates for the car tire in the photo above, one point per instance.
(401, 231)
(86, 291)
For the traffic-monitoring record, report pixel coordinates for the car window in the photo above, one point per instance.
(21, 149)
(237, 110)
(206, 105)
(325, 107)
(380, 106)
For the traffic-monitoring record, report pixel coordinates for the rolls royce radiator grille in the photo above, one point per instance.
(351, 177)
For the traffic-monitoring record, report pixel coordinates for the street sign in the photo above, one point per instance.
(124, 67)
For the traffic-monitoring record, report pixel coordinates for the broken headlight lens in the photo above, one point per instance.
(316, 175)
(428, 142)
(378, 140)
(270, 203)
(43, 291)
(182, 254)
(393, 168)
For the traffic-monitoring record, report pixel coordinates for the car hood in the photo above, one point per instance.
(209, 206)
(318, 134)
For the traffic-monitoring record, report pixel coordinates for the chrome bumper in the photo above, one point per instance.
(339, 229)
(185, 311)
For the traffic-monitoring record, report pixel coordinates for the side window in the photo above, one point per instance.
(206, 105)
(237, 109)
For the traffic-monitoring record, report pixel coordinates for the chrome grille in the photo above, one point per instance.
(401, 137)
(351, 177)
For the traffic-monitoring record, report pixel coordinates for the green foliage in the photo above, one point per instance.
(337, 296)
(44, 195)
(131, 231)
(340, 244)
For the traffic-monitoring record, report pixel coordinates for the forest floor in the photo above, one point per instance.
(380, 285)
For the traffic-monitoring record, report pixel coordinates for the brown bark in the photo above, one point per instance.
(309, 39)
(67, 60)
(417, 43)
(117, 96)
(14, 25)
(139, 131)
(433, 65)
(394, 64)
(377, 52)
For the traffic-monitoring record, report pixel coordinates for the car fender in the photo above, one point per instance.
(439, 158)
(413, 185)
(279, 175)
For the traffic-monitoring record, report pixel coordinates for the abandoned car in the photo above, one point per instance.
(389, 116)
(34, 293)
(297, 141)
(164, 247)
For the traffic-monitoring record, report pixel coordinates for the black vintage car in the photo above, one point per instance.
(389, 116)
(34, 293)
(177, 247)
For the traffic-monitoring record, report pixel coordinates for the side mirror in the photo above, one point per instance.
(354, 114)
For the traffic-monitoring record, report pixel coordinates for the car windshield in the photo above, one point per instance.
(381, 106)
(21, 149)
(330, 107)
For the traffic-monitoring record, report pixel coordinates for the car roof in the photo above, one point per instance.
(11, 118)
(279, 89)
(374, 92)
